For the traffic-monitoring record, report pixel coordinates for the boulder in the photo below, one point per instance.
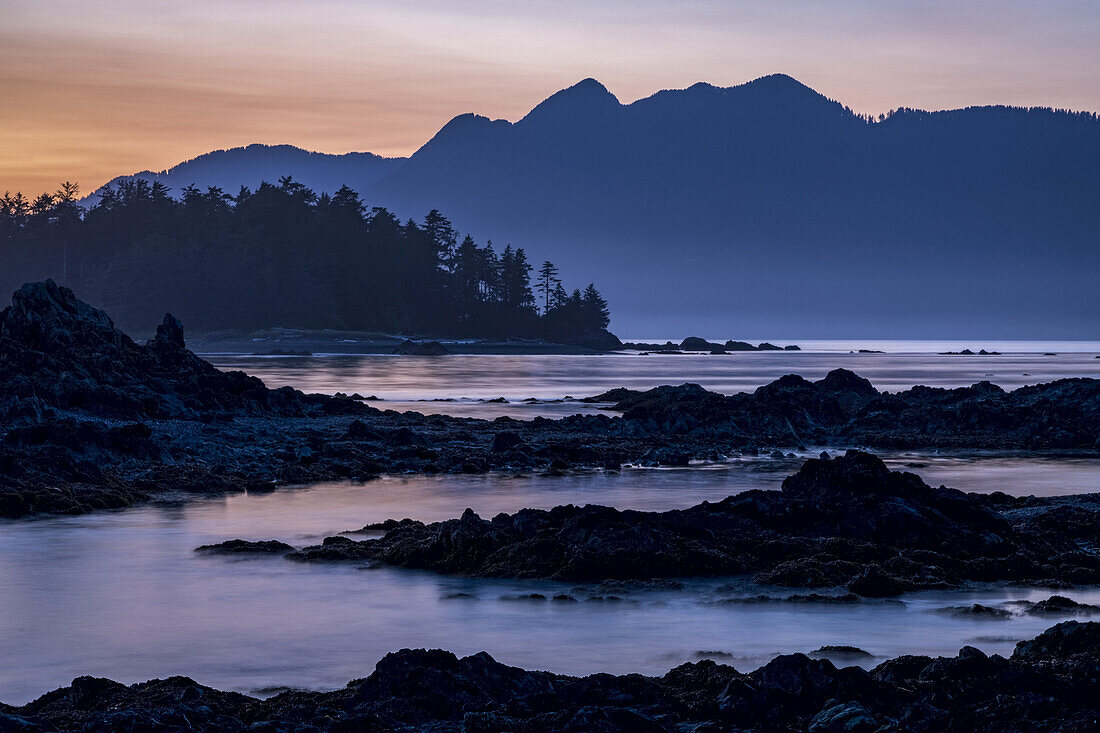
(694, 343)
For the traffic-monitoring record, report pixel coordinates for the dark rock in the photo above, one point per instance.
(738, 346)
(976, 610)
(694, 343)
(873, 583)
(849, 717)
(601, 340)
(506, 441)
(1050, 686)
(1060, 606)
(408, 347)
(840, 651)
(844, 408)
(1067, 639)
(389, 524)
(246, 547)
(847, 521)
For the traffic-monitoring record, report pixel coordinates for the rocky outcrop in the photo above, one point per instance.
(89, 419)
(848, 521)
(1048, 684)
(694, 343)
(59, 354)
(845, 408)
(246, 547)
(598, 340)
(408, 347)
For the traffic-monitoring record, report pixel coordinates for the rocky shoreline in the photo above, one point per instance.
(91, 420)
(1047, 684)
(845, 522)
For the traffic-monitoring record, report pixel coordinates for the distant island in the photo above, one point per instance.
(695, 344)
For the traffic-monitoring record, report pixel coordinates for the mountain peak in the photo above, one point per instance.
(781, 84)
(586, 97)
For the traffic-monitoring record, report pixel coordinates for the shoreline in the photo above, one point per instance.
(847, 523)
(93, 420)
(327, 343)
(1047, 683)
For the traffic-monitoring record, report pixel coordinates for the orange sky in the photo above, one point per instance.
(90, 90)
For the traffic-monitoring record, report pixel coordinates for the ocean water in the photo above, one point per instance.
(122, 594)
(462, 385)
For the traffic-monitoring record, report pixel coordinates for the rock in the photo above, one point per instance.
(358, 430)
(873, 583)
(389, 524)
(848, 521)
(975, 610)
(505, 441)
(694, 343)
(845, 408)
(738, 346)
(434, 690)
(850, 717)
(333, 549)
(1060, 606)
(408, 347)
(840, 651)
(768, 347)
(60, 350)
(246, 547)
(601, 340)
(1067, 639)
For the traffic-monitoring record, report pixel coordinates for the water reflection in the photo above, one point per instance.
(122, 594)
(417, 382)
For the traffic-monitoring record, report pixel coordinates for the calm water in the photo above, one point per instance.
(123, 595)
(461, 384)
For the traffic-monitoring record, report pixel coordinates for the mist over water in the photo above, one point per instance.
(467, 381)
(123, 595)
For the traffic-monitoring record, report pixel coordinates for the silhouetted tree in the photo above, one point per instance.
(280, 256)
(547, 282)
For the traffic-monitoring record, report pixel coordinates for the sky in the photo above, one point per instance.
(90, 90)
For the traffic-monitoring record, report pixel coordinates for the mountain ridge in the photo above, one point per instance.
(922, 224)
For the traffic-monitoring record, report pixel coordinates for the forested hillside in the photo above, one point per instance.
(282, 256)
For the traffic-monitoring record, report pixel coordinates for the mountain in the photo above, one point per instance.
(249, 166)
(768, 210)
(763, 210)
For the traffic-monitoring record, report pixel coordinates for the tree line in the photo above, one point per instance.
(282, 255)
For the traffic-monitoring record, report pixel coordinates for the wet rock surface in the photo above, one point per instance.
(246, 547)
(845, 408)
(847, 521)
(1048, 684)
(90, 420)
